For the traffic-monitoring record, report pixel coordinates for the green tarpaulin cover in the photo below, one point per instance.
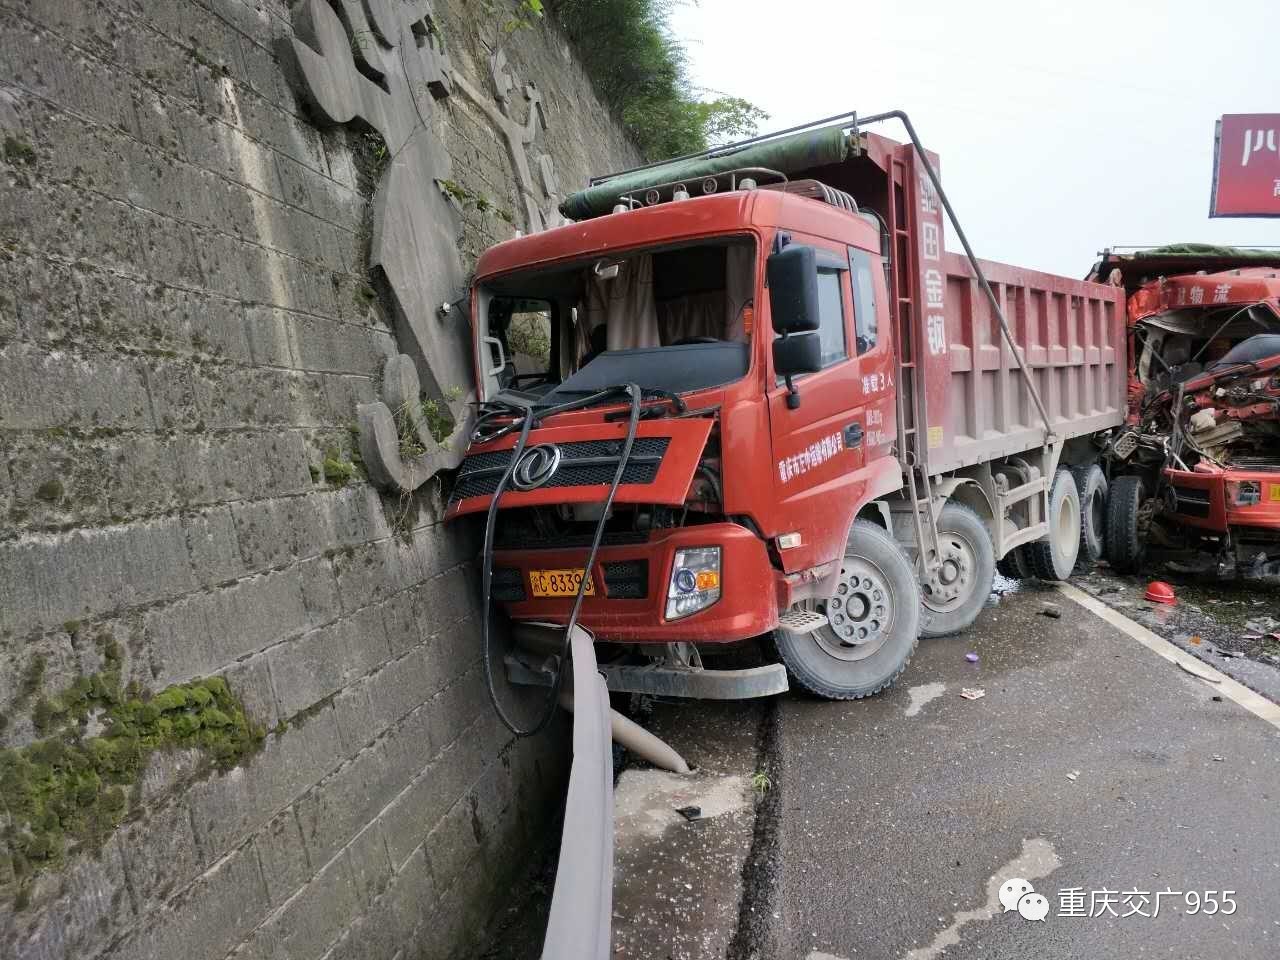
(800, 151)
(1206, 250)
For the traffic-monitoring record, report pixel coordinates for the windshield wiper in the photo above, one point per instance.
(672, 403)
(519, 412)
(599, 396)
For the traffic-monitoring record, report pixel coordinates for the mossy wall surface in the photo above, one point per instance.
(65, 793)
(240, 699)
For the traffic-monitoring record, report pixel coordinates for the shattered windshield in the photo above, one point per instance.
(672, 319)
(1256, 348)
(1178, 345)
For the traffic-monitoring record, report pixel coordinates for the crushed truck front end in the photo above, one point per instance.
(671, 565)
(1205, 407)
(676, 561)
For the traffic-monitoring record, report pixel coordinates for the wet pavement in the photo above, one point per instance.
(1089, 767)
(1230, 624)
(678, 877)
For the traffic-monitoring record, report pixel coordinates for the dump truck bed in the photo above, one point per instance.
(1071, 334)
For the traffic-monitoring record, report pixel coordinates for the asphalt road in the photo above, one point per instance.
(1090, 763)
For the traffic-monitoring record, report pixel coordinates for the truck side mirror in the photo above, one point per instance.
(797, 353)
(793, 304)
(793, 289)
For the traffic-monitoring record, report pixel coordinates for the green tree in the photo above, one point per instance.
(641, 71)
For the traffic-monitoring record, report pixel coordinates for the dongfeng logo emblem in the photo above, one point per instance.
(537, 465)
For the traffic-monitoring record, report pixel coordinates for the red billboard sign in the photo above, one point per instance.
(1246, 166)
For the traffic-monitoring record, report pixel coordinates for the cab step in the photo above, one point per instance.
(797, 620)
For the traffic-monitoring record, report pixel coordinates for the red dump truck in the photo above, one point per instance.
(734, 399)
(1198, 463)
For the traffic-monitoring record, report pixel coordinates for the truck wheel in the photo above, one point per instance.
(1092, 484)
(874, 615)
(957, 592)
(1014, 564)
(1126, 519)
(1053, 556)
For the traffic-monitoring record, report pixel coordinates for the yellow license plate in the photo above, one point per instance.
(1275, 491)
(558, 583)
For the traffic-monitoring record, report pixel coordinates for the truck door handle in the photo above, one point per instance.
(853, 436)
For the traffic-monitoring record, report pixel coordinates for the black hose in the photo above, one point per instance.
(486, 573)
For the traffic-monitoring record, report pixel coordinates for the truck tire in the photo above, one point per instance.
(874, 622)
(952, 600)
(1014, 564)
(1092, 484)
(1126, 543)
(1053, 556)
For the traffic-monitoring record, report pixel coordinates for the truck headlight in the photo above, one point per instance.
(695, 581)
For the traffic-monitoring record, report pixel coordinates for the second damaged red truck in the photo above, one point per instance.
(805, 387)
(1198, 464)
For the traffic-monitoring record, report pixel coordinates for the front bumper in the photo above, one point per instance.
(748, 604)
(1200, 499)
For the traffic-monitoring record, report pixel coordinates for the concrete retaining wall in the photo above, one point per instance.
(186, 327)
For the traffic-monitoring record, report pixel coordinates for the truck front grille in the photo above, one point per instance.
(1261, 463)
(583, 463)
(524, 540)
(507, 585)
(1192, 502)
(627, 579)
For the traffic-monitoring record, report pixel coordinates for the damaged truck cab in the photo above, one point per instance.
(709, 488)
(822, 389)
(1199, 463)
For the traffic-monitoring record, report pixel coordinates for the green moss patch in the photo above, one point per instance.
(67, 791)
(17, 150)
(50, 490)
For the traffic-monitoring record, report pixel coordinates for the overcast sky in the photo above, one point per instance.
(1063, 127)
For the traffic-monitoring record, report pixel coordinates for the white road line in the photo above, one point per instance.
(1255, 703)
(1038, 859)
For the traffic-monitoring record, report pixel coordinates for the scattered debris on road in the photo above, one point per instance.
(1051, 610)
(1073, 775)
(971, 657)
(1197, 673)
(690, 813)
(973, 693)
